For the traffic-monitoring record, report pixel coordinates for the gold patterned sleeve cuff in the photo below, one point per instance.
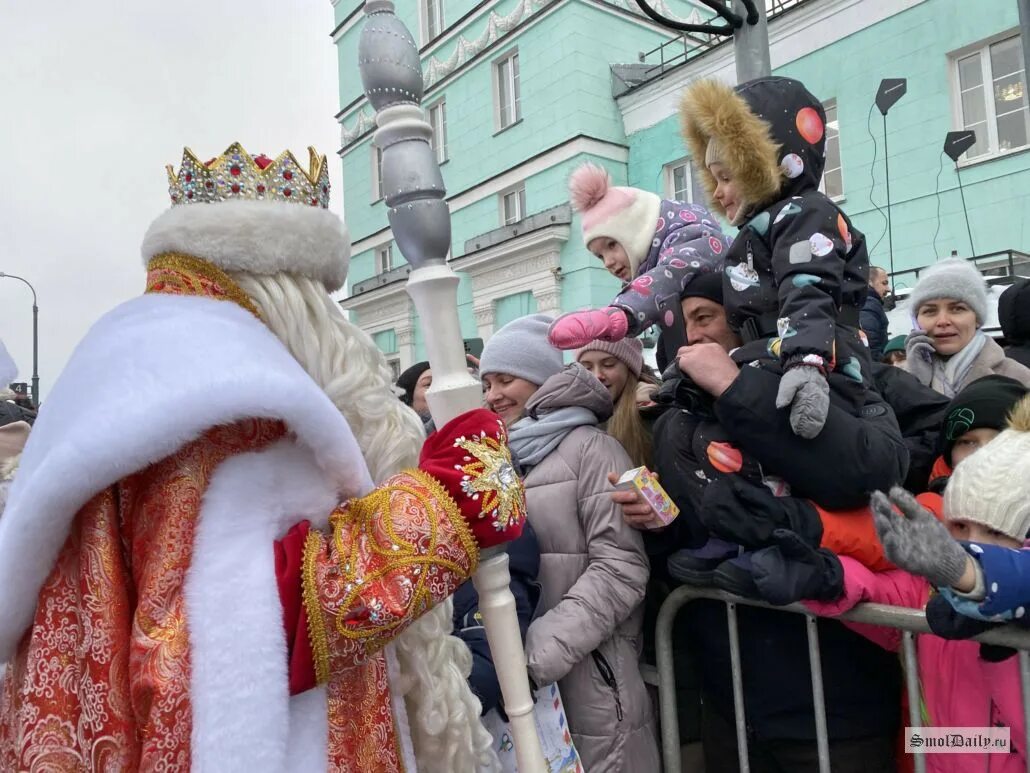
(388, 557)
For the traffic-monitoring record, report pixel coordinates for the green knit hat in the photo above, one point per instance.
(896, 344)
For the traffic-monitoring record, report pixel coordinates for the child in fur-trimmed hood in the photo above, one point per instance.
(796, 275)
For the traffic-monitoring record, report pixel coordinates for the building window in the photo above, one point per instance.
(513, 205)
(682, 183)
(386, 341)
(832, 183)
(438, 120)
(991, 97)
(506, 93)
(377, 173)
(384, 258)
(432, 20)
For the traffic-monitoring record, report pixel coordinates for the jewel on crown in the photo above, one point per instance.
(235, 175)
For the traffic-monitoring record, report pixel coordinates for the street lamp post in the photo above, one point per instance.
(35, 337)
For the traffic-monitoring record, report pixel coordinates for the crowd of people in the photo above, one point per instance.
(814, 454)
(206, 572)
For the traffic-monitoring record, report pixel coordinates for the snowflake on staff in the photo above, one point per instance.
(489, 477)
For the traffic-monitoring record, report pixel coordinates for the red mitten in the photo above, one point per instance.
(470, 458)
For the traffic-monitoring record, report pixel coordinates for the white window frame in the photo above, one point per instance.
(437, 116)
(828, 105)
(377, 174)
(670, 181)
(519, 191)
(506, 71)
(983, 49)
(428, 33)
(384, 258)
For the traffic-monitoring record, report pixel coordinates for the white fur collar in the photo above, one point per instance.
(149, 377)
(261, 237)
(243, 717)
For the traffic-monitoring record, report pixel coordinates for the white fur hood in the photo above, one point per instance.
(149, 377)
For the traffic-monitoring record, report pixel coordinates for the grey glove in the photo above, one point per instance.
(919, 353)
(915, 540)
(805, 390)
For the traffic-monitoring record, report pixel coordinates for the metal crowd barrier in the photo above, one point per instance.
(910, 621)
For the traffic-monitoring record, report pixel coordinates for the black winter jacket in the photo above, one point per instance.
(852, 455)
(11, 412)
(920, 414)
(797, 261)
(524, 565)
(1014, 315)
(874, 322)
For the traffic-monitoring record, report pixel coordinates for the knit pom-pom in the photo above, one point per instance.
(1019, 419)
(587, 186)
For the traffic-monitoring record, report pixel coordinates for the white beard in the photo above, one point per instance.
(431, 667)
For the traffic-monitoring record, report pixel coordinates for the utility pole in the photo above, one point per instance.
(746, 23)
(35, 338)
(751, 41)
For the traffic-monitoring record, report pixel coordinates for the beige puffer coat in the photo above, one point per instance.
(593, 573)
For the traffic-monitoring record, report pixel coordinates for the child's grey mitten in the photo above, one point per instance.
(916, 541)
(805, 390)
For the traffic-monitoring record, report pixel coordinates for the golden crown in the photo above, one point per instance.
(237, 175)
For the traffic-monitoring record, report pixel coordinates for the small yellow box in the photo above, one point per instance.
(647, 485)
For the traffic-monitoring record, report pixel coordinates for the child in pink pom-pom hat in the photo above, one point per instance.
(654, 245)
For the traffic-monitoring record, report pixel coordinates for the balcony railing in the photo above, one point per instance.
(995, 266)
(688, 46)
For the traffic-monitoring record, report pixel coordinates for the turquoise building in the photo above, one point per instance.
(520, 92)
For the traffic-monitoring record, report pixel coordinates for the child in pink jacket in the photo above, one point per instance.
(958, 688)
(986, 503)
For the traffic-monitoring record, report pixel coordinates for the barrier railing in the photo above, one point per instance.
(909, 621)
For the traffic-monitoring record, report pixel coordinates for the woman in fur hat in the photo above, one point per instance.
(948, 349)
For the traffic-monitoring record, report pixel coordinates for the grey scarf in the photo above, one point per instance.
(532, 440)
(949, 375)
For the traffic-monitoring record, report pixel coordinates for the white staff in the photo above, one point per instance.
(391, 74)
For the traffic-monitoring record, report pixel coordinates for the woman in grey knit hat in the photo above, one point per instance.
(593, 568)
(947, 349)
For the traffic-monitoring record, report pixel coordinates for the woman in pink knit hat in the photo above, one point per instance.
(618, 365)
(654, 245)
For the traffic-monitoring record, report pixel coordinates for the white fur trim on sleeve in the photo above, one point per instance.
(260, 237)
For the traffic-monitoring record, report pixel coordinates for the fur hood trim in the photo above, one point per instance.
(258, 237)
(180, 364)
(711, 109)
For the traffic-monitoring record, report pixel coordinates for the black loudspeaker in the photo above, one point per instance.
(957, 143)
(891, 90)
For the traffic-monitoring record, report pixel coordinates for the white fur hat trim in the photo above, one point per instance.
(259, 237)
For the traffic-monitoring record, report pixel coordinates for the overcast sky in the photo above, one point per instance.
(95, 98)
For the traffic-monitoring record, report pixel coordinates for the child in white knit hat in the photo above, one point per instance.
(985, 575)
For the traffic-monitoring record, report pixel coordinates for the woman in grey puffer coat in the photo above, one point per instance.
(593, 568)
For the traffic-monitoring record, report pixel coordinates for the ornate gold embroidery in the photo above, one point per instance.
(174, 273)
(102, 679)
(362, 733)
(391, 555)
(316, 621)
(490, 474)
